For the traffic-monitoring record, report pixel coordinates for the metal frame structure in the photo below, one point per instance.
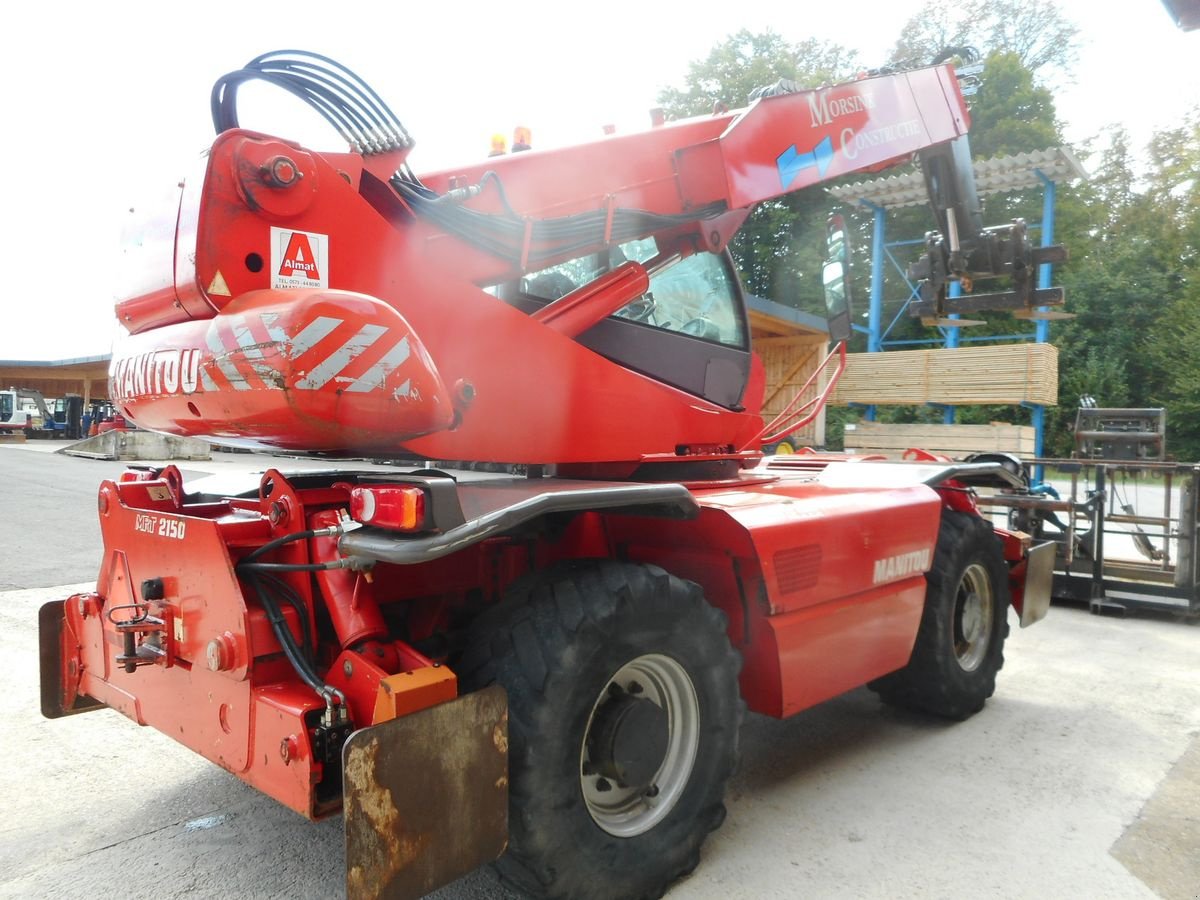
(1041, 168)
(1163, 577)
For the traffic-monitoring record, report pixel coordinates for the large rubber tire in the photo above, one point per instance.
(960, 642)
(556, 644)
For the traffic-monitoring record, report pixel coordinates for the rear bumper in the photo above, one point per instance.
(426, 796)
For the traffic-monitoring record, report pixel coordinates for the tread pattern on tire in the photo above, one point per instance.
(553, 629)
(933, 681)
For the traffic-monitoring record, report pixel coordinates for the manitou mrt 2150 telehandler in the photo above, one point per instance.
(553, 663)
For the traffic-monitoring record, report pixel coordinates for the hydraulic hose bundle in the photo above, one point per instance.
(270, 589)
(343, 99)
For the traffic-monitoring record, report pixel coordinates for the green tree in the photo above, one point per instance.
(1038, 34)
(1166, 230)
(1011, 113)
(745, 61)
(1133, 230)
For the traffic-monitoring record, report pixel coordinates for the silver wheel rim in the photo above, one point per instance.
(627, 811)
(973, 614)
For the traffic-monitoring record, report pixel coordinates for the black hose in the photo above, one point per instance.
(504, 235)
(284, 635)
(342, 98)
(362, 119)
(276, 543)
(285, 590)
(285, 567)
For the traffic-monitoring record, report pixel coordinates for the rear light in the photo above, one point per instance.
(400, 508)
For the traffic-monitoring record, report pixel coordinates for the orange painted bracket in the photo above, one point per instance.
(408, 692)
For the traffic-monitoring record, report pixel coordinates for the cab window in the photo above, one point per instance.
(695, 295)
(688, 330)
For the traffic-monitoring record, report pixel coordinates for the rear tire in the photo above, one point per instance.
(960, 642)
(624, 712)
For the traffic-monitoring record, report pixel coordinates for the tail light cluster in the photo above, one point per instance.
(395, 507)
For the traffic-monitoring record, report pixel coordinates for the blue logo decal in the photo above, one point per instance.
(791, 162)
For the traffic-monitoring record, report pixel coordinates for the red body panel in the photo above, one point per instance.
(815, 616)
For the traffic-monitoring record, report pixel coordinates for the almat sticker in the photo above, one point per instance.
(299, 259)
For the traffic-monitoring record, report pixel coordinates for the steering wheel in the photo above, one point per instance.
(639, 310)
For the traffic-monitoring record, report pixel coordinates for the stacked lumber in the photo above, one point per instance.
(955, 441)
(964, 376)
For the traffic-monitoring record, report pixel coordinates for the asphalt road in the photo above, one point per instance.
(49, 528)
(1080, 779)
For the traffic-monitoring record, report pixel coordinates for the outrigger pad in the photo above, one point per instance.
(426, 797)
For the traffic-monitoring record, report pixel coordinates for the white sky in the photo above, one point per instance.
(107, 103)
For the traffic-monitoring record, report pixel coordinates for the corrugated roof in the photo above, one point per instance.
(992, 176)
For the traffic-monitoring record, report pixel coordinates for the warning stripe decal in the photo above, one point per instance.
(220, 357)
(332, 365)
(310, 335)
(241, 343)
(252, 349)
(375, 376)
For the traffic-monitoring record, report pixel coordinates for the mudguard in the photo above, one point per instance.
(426, 797)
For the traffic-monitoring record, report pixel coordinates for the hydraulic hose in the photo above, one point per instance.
(284, 635)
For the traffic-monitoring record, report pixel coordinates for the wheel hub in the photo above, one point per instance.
(640, 745)
(628, 740)
(972, 618)
(973, 614)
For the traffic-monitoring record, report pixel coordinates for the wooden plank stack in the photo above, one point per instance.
(955, 441)
(964, 376)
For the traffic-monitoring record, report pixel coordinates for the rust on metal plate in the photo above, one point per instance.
(426, 797)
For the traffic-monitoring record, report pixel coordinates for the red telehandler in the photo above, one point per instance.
(549, 666)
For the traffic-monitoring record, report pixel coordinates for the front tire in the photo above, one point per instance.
(624, 713)
(960, 643)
